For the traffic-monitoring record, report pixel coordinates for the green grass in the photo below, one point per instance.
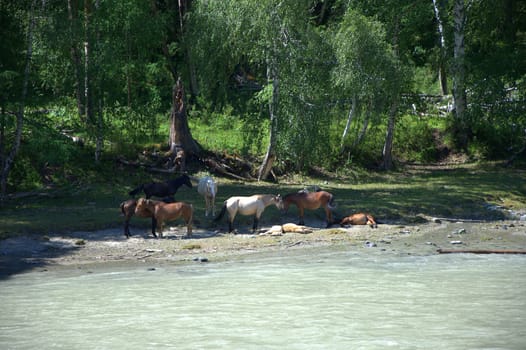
(462, 192)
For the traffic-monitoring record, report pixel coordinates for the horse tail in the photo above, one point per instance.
(137, 190)
(332, 205)
(222, 213)
(122, 208)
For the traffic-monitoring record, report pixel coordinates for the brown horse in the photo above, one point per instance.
(128, 210)
(166, 212)
(310, 200)
(359, 219)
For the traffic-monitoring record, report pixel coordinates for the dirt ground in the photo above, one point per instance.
(89, 250)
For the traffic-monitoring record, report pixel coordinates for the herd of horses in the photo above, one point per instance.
(167, 209)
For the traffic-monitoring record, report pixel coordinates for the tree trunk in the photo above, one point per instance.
(180, 140)
(99, 130)
(387, 162)
(439, 6)
(350, 116)
(459, 77)
(365, 125)
(8, 161)
(73, 7)
(88, 103)
(270, 156)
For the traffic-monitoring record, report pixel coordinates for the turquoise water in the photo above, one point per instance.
(322, 301)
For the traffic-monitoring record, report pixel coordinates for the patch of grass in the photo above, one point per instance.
(465, 192)
(191, 246)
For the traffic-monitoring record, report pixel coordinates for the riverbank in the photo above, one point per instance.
(106, 248)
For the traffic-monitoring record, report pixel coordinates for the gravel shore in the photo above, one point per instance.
(89, 250)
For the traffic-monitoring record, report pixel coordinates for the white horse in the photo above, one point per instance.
(208, 189)
(252, 205)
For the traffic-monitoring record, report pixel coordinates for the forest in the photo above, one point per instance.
(257, 89)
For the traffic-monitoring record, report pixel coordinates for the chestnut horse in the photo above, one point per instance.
(128, 210)
(310, 200)
(166, 212)
(359, 219)
(162, 189)
(208, 189)
(252, 205)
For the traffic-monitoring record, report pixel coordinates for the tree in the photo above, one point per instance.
(180, 140)
(373, 85)
(439, 9)
(7, 159)
(288, 57)
(459, 76)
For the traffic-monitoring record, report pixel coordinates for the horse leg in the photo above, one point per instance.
(127, 227)
(213, 205)
(231, 217)
(256, 222)
(207, 204)
(302, 214)
(189, 225)
(328, 214)
(154, 226)
(161, 224)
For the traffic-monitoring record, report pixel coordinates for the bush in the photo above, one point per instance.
(418, 139)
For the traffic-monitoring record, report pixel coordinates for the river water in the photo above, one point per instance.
(327, 300)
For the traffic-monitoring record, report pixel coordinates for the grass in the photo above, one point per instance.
(466, 192)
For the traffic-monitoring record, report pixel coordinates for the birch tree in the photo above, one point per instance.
(373, 84)
(459, 75)
(439, 9)
(7, 159)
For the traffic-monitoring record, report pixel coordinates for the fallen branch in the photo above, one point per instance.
(480, 251)
(459, 220)
(294, 244)
(220, 168)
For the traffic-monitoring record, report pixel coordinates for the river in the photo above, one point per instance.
(327, 300)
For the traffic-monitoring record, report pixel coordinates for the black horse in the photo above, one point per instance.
(162, 189)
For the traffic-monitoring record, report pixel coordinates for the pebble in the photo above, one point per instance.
(201, 259)
(456, 242)
(370, 244)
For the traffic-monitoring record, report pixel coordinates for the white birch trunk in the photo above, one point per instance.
(387, 155)
(270, 156)
(7, 163)
(438, 6)
(459, 73)
(350, 117)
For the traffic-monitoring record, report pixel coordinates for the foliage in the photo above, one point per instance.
(326, 54)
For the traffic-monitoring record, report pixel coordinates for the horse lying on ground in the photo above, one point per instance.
(208, 189)
(166, 212)
(252, 205)
(310, 200)
(359, 219)
(278, 230)
(162, 189)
